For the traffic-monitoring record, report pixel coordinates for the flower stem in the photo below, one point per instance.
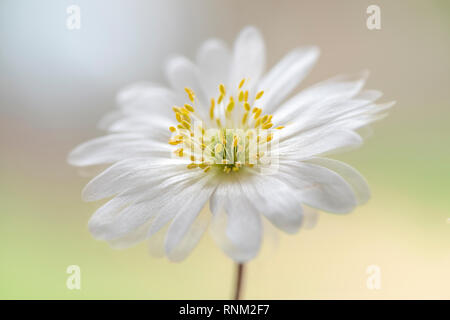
(239, 280)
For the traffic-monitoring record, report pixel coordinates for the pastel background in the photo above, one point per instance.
(56, 83)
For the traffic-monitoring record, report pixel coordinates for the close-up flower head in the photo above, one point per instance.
(228, 170)
(276, 153)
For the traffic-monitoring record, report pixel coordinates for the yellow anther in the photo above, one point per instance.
(279, 127)
(186, 124)
(257, 113)
(247, 106)
(175, 142)
(222, 89)
(230, 106)
(184, 111)
(267, 125)
(179, 152)
(269, 119)
(241, 96)
(172, 129)
(244, 118)
(187, 118)
(211, 109)
(192, 166)
(219, 100)
(246, 95)
(258, 122)
(218, 148)
(180, 126)
(269, 137)
(235, 141)
(189, 107)
(259, 94)
(192, 158)
(175, 109)
(241, 83)
(190, 93)
(255, 109)
(264, 119)
(179, 117)
(207, 169)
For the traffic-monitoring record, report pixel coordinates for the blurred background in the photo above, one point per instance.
(55, 83)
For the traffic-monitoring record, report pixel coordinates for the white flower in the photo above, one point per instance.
(162, 175)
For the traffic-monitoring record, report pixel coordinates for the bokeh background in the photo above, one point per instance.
(56, 83)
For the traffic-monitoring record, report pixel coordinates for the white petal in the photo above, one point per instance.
(130, 210)
(130, 173)
(184, 193)
(213, 60)
(285, 76)
(249, 58)
(116, 147)
(275, 200)
(243, 232)
(131, 239)
(187, 213)
(218, 230)
(353, 177)
(319, 187)
(318, 142)
(192, 237)
(339, 88)
(155, 127)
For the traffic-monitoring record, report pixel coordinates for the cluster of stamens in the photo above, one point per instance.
(239, 135)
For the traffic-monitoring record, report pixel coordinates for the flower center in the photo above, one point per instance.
(236, 134)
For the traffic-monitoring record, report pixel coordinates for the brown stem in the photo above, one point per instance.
(239, 280)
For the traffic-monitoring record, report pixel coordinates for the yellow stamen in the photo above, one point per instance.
(246, 95)
(230, 105)
(172, 129)
(207, 169)
(186, 124)
(241, 96)
(279, 127)
(259, 94)
(220, 99)
(241, 83)
(244, 118)
(247, 106)
(192, 166)
(190, 94)
(179, 152)
(218, 148)
(175, 142)
(189, 107)
(222, 89)
(267, 125)
(211, 109)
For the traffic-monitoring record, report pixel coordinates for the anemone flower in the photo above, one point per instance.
(224, 133)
